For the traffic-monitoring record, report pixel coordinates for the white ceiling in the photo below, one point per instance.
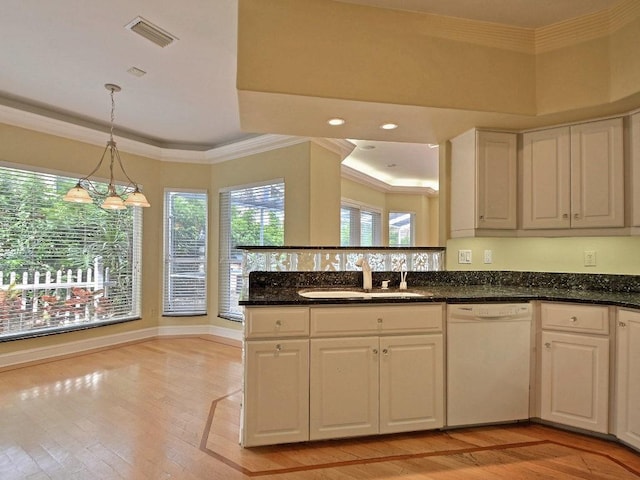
(57, 55)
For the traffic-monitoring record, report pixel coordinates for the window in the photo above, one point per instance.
(252, 215)
(359, 226)
(185, 253)
(63, 266)
(401, 229)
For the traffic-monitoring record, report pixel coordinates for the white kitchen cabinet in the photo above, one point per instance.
(634, 161)
(364, 379)
(275, 405)
(344, 387)
(574, 387)
(411, 398)
(573, 177)
(546, 173)
(483, 182)
(628, 378)
(597, 174)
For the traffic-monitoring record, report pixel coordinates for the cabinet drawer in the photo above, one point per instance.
(575, 318)
(376, 320)
(272, 322)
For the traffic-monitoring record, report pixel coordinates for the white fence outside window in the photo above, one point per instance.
(41, 300)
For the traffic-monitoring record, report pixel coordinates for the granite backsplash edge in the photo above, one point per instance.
(572, 281)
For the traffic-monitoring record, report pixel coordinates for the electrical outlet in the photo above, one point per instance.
(589, 258)
(464, 256)
(488, 256)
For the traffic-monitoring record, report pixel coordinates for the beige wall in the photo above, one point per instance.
(614, 255)
(335, 50)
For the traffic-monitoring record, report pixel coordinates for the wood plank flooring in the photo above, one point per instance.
(169, 409)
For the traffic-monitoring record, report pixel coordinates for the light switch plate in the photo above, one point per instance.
(464, 256)
(589, 258)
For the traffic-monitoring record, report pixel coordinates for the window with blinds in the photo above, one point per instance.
(63, 266)
(249, 215)
(185, 253)
(359, 226)
(401, 229)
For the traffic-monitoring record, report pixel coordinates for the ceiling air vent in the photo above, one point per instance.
(151, 32)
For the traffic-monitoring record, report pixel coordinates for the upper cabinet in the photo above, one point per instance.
(483, 186)
(546, 173)
(634, 161)
(572, 180)
(573, 177)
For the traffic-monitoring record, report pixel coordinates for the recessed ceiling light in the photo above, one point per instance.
(392, 165)
(336, 121)
(388, 126)
(367, 147)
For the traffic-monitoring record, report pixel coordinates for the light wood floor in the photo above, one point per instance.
(169, 409)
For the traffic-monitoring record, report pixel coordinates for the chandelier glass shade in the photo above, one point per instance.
(113, 198)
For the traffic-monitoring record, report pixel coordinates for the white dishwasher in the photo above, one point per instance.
(488, 359)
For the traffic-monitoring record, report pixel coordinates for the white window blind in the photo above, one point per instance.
(359, 226)
(401, 229)
(250, 215)
(63, 266)
(185, 253)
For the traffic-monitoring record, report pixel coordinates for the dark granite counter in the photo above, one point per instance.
(281, 288)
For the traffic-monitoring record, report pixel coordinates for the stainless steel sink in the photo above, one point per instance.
(357, 294)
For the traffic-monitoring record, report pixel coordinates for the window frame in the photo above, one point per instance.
(226, 250)
(170, 260)
(355, 224)
(70, 275)
(412, 228)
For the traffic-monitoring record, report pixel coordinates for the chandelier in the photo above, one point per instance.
(129, 196)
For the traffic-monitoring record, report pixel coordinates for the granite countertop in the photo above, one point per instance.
(281, 288)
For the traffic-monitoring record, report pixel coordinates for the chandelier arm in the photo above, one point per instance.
(131, 182)
(97, 166)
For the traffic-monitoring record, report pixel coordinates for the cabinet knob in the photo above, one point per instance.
(375, 351)
(622, 324)
(565, 215)
(278, 347)
(385, 351)
(278, 323)
(576, 215)
(573, 319)
(379, 320)
(481, 217)
(547, 345)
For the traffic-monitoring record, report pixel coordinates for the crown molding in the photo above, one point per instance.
(364, 179)
(335, 145)
(243, 148)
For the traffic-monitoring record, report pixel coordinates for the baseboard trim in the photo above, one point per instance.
(32, 356)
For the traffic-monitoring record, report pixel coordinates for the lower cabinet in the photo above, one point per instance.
(276, 392)
(333, 372)
(628, 378)
(369, 385)
(575, 366)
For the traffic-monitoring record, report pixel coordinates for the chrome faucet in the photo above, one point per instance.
(366, 272)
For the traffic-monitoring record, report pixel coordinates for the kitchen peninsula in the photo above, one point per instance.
(585, 356)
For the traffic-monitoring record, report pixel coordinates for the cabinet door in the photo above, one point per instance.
(343, 387)
(575, 380)
(628, 384)
(634, 155)
(411, 383)
(496, 177)
(546, 194)
(597, 169)
(276, 392)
